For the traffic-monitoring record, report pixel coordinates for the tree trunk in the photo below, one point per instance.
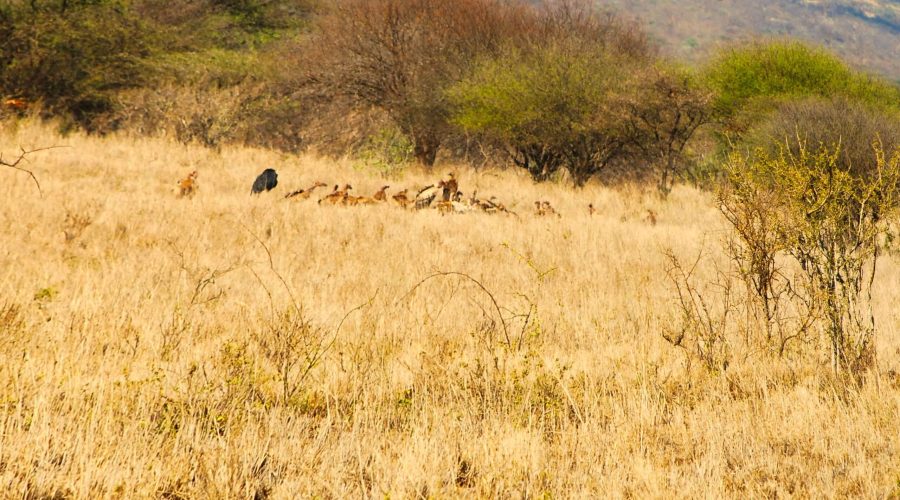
(582, 172)
(426, 149)
(667, 179)
(539, 161)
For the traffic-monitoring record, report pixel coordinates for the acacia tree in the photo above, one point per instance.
(553, 106)
(662, 113)
(399, 56)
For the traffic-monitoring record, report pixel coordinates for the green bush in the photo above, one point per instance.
(73, 60)
(755, 76)
(387, 152)
(552, 106)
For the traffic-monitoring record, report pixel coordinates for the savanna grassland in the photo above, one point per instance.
(229, 346)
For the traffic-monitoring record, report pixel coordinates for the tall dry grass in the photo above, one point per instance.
(229, 346)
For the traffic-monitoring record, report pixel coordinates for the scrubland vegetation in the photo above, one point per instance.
(711, 313)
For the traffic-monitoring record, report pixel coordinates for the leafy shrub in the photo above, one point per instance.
(550, 105)
(73, 59)
(387, 152)
(759, 74)
(829, 218)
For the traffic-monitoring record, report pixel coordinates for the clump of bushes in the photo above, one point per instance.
(398, 57)
(749, 80)
(72, 58)
(582, 106)
(200, 71)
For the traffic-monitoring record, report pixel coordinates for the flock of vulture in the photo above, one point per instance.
(443, 196)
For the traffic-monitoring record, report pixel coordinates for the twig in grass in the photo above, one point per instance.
(23, 156)
(445, 274)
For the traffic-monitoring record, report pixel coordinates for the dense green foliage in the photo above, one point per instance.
(547, 104)
(74, 59)
(84, 61)
(761, 73)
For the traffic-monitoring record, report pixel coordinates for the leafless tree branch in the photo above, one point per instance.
(14, 164)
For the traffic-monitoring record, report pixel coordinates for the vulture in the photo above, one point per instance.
(381, 195)
(265, 182)
(303, 194)
(401, 198)
(188, 185)
(428, 194)
(548, 209)
(451, 187)
(338, 195)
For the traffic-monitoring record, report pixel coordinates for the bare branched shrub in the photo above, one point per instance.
(204, 113)
(204, 116)
(775, 306)
(839, 121)
(294, 346)
(202, 289)
(15, 164)
(707, 312)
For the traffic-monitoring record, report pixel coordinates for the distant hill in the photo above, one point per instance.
(864, 32)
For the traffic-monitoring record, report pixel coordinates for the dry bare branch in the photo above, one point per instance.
(23, 155)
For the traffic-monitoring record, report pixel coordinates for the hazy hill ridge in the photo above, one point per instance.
(865, 32)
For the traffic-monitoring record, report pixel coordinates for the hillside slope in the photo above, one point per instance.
(865, 32)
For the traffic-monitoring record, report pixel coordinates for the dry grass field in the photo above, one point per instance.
(229, 346)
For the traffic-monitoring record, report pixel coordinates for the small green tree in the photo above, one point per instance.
(663, 109)
(72, 56)
(552, 106)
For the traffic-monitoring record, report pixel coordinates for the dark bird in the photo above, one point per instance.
(265, 182)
